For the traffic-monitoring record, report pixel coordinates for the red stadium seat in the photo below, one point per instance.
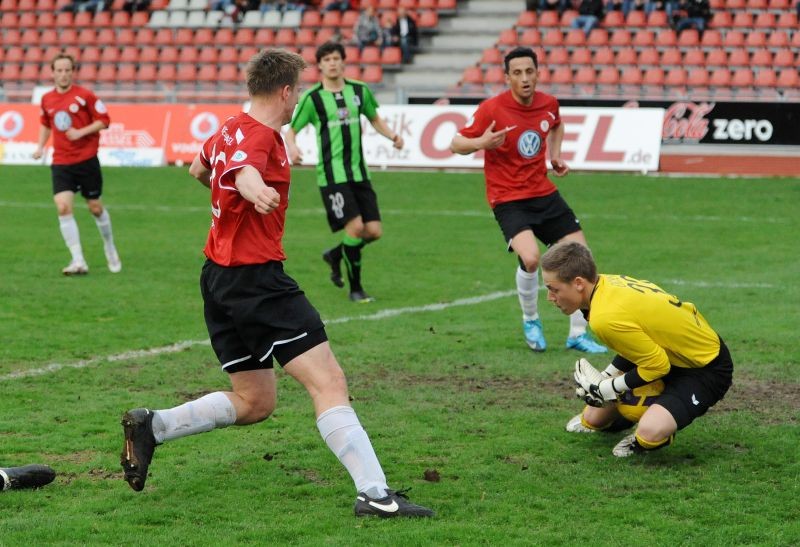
(530, 37)
(387, 5)
(207, 73)
(757, 4)
(310, 75)
(604, 56)
(756, 38)
(788, 78)
(627, 56)
(148, 54)
(126, 37)
(107, 73)
(328, 34)
(246, 53)
(553, 38)
(544, 75)
(721, 19)
(87, 73)
(620, 37)
(140, 19)
(223, 37)
(129, 54)
(472, 75)
(29, 37)
(494, 75)
(526, 19)
(166, 73)
(742, 77)
(581, 56)
(508, 37)
(90, 54)
(765, 20)
(738, 57)
(351, 54)
(9, 20)
(46, 19)
(169, 54)
(27, 19)
(787, 20)
(631, 76)
(309, 55)
(64, 19)
(186, 72)
(371, 55)
(262, 37)
(163, 37)
(720, 77)
(184, 37)
(106, 36)
(10, 72)
(762, 57)
(285, 37)
(645, 38)
(228, 54)
(584, 75)
(653, 77)
(614, 19)
(698, 77)
(558, 56)
(694, 57)
(597, 37)
(145, 36)
(717, 57)
(120, 19)
(743, 19)
(126, 72)
(391, 56)
(766, 77)
(189, 54)
(561, 75)
(102, 19)
(49, 37)
(672, 57)
(312, 18)
(676, 77)
(34, 54)
(574, 38)
(711, 38)
(549, 19)
(608, 75)
(447, 5)
(147, 73)
(230, 73)
(30, 73)
(204, 36)
(657, 19)
(349, 19)
(305, 37)
(733, 38)
(109, 55)
(353, 72)
(689, 38)
(636, 19)
(779, 38)
(427, 19)
(784, 58)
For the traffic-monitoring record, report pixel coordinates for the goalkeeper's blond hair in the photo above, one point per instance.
(569, 260)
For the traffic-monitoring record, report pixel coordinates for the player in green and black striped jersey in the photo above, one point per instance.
(334, 106)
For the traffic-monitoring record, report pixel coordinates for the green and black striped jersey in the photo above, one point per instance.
(337, 119)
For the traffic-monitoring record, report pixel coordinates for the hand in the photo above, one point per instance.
(267, 200)
(559, 167)
(38, 153)
(594, 387)
(295, 156)
(492, 139)
(588, 398)
(398, 142)
(73, 134)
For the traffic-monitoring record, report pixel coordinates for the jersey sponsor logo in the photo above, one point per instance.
(62, 120)
(100, 107)
(356, 100)
(552, 115)
(343, 113)
(544, 126)
(11, 124)
(203, 126)
(80, 100)
(226, 136)
(74, 108)
(529, 144)
(239, 155)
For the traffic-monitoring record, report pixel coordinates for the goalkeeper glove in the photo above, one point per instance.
(594, 387)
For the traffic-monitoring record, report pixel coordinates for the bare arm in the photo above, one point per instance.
(253, 188)
(489, 140)
(94, 127)
(44, 136)
(199, 171)
(380, 126)
(554, 140)
(295, 156)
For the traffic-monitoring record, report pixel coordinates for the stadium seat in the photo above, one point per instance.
(762, 57)
(129, 54)
(391, 56)
(636, 19)
(717, 57)
(671, 57)
(196, 19)
(163, 37)
(30, 73)
(107, 73)
(549, 19)
(126, 73)
(784, 58)
(309, 55)
(184, 37)
(472, 75)
(757, 4)
(9, 20)
(766, 77)
(627, 56)
(310, 75)
(530, 37)
(581, 56)
(34, 54)
(10, 72)
(166, 73)
(291, 18)
(742, 77)
(208, 55)
(720, 77)
(738, 57)
(561, 75)
(147, 73)
(553, 38)
(305, 37)
(186, 72)
(597, 37)
(657, 19)
(189, 54)
(27, 19)
(508, 37)
(109, 55)
(765, 20)
(371, 55)
(353, 55)
(544, 75)
(711, 38)
(648, 57)
(787, 20)
(46, 19)
(126, 37)
(120, 19)
(788, 78)
(353, 72)
(230, 73)
(328, 34)
(688, 38)
(742, 19)
(90, 54)
(495, 75)
(558, 56)
(645, 38)
(228, 54)
(386, 5)
(733, 38)
(284, 37)
(603, 56)
(694, 57)
(64, 19)
(631, 76)
(755, 38)
(148, 54)
(574, 38)
(613, 19)
(49, 37)
(676, 77)
(620, 37)
(313, 19)
(653, 77)
(721, 19)
(29, 37)
(349, 19)
(87, 73)
(608, 75)
(246, 53)
(697, 77)
(526, 19)
(159, 18)
(584, 75)
(262, 37)
(491, 56)
(145, 36)
(140, 19)
(780, 38)
(255, 19)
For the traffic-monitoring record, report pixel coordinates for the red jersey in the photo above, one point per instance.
(239, 234)
(516, 169)
(77, 107)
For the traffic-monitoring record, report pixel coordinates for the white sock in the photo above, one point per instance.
(104, 225)
(69, 231)
(528, 293)
(341, 430)
(577, 324)
(208, 412)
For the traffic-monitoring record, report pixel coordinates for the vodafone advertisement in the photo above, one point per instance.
(608, 139)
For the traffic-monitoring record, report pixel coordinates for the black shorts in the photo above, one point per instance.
(548, 216)
(85, 177)
(690, 392)
(347, 200)
(255, 312)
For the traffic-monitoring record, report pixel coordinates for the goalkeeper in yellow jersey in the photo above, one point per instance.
(656, 336)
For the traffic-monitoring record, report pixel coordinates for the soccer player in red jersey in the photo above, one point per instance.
(75, 117)
(254, 311)
(515, 129)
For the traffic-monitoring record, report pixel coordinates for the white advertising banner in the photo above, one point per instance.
(602, 139)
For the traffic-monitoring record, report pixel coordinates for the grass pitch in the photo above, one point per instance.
(438, 371)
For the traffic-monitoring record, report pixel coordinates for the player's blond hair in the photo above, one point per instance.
(62, 55)
(271, 70)
(569, 260)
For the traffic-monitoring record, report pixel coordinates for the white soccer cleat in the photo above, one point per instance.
(576, 426)
(628, 447)
(76, 267)
(114, 263)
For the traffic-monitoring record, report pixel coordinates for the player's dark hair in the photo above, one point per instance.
(271, 70)
(330, 47)
(569, 260)
(518, 52)
(62, 55)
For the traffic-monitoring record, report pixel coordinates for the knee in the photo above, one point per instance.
(254, 408)
(63, 209)
(355, 228)
(95, 208)
(372, 233)
(652, 428)
(529, 263)
(598, 418)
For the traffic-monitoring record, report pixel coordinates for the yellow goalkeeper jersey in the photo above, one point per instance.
(649, 327)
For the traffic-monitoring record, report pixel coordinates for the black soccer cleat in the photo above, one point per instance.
(139, 446)
(336, 269)
(395, 504)
(27, 476)
(361, 297)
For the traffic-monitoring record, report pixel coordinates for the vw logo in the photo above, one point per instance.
(529, 144)
(62, 120)
(204, 125)
(11, 124)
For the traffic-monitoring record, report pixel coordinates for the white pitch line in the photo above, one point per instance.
(382, 314)
(311, 211)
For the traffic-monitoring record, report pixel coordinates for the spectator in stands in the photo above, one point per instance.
(627, 6)
(281, 6)
(548, 5)
(668, 6)
(696, 14)
(389, 36)
(85, 5)
(590, 12)
(368, 29)
(798, 9)
(132, 6)
(406, 29)
(341, 5)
